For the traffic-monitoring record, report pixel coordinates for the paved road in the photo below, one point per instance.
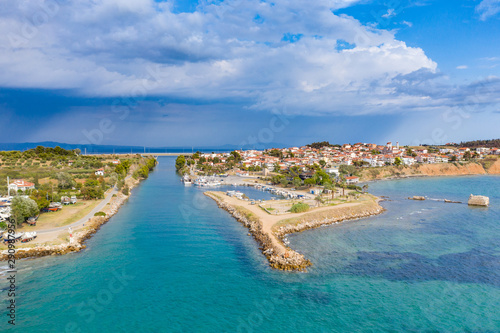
(84, 219)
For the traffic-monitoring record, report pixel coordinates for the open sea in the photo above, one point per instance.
(172, 261)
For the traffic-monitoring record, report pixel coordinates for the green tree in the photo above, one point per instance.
(22, 208)
(143, 171)
(297, 182)
(180, 162)
(92, 192)
(322, 177)
(283, 182)
(277, 167)
(236, 156)
(276, 153)
(467, 156)
(347, 169)
(331, 187)
(310, 182)
(322, 163)
(65, 180)
(398, 161)
(40, 198)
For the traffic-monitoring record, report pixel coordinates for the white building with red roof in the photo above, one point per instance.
(21, 184)
(352, 180)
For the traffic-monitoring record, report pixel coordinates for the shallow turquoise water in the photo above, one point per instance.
(171, 261)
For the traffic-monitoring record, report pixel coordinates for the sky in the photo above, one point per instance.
(249, 73)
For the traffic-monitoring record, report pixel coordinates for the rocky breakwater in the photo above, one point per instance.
(335, 215)
(278, 256)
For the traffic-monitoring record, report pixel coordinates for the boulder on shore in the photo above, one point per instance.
(416, 197)
(479, 200)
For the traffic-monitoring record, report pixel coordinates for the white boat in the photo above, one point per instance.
(207, 182)
(186, 180)
(28, 236)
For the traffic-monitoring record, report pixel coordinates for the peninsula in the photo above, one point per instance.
(270, 222)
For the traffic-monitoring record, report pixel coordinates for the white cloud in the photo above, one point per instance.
(407, 23)
(390, 13)
(462, 67)
(488, 8)
(221, 51)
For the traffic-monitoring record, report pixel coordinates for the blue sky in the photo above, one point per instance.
(189, 73)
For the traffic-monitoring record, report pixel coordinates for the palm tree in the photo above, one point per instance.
(328, 186)
(318, 199)
(343, 185)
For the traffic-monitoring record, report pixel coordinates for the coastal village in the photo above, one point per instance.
(319, 184)
(348, 160)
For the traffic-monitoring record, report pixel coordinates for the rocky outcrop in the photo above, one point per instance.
(417, 197)
(478, 200)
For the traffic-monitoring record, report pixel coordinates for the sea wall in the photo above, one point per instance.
(290, 260)
(283, 260)
(336, 215)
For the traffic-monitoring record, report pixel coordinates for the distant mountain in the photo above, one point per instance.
(107, 149)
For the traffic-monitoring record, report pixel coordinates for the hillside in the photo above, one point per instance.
(442, 169)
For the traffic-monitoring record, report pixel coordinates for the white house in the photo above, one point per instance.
(408, 160)
(21, 184)
(333, 170)
(99, 172)
(352, 180)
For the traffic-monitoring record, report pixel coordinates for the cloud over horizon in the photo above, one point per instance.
(260, 52)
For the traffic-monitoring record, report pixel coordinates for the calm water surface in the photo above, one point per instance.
(171, 261)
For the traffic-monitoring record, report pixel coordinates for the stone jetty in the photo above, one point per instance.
(287, 261)
(290, 260)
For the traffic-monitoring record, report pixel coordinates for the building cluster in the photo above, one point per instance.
(361, 154)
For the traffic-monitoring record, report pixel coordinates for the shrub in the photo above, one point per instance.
(299, 208)
(126, 190)
(100, 214)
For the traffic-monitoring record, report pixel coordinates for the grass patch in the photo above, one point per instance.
(299, 208)
(68, 215)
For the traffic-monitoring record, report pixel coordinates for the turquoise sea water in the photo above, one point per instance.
(172, 261)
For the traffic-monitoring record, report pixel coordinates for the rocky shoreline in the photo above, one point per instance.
(343, 214)
(91, 227)
(289, 260)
